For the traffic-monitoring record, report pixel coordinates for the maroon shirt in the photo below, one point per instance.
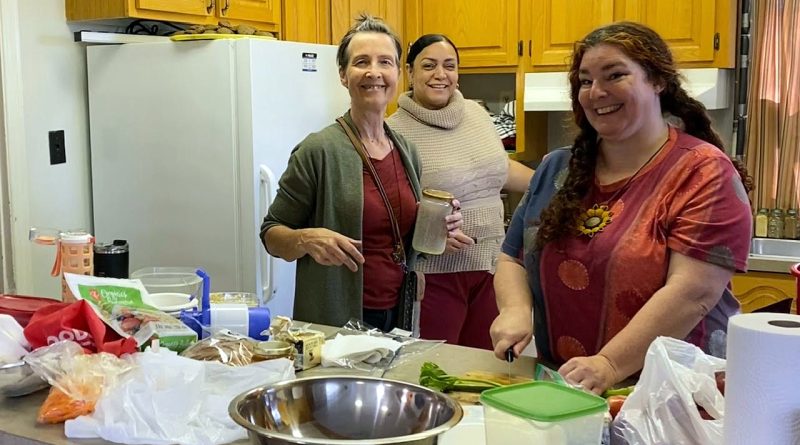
(382, 276)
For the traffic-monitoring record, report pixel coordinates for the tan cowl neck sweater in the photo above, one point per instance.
(462, 154)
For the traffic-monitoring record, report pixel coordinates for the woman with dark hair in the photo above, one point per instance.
(632, 233)
(461, 153)
(331, 213)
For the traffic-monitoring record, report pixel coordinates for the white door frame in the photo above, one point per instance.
(16, 269)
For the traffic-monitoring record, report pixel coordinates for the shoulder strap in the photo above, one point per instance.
(399, 254)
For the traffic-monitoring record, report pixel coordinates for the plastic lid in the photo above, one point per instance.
(543, 401)
(75, 237)
(118, 246)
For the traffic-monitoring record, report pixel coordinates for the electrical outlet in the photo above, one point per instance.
(58, 153)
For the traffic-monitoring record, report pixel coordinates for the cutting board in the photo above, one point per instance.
(471, 398)
(187, 37)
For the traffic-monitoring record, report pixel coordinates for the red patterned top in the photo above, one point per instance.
(688, 200)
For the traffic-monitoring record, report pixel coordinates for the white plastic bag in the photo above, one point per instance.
(676, 378)
(12, 341)
(170, 399)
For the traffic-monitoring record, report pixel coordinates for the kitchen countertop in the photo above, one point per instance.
(18, 415)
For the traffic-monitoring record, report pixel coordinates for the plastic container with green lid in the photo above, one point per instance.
(542, 412)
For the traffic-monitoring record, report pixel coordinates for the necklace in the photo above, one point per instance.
(596, 218)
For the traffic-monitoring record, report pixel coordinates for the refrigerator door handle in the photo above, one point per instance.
(267, 187)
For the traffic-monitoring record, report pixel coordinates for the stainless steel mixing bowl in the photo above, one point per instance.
(344, 410)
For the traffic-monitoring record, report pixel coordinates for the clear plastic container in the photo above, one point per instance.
(430, 231)
(171, 280)
(542, 413)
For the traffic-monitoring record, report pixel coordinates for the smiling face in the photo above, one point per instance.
(434, 75)
(616, 96)
(372, 71)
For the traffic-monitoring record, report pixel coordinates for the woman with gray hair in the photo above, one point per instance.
(336, 212)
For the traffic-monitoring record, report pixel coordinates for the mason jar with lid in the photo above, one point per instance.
(775, 224)
(430, 232)
(790, 225)
(762, 221)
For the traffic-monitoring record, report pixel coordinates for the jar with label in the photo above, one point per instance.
(775, 224)
(430, 232)
(790, 224)
(762, 219)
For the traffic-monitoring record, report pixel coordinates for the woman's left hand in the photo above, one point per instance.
(455, 219)
(457, 240)
(595, 373)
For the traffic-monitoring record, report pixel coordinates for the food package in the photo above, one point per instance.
(79, 380)
(224, 347)
(307, 342)
(119, 303)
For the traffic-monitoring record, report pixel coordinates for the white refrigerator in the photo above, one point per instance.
(188, 141)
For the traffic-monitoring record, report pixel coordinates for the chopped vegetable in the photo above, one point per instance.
(615, 404)
(432, 376)
(626, 391)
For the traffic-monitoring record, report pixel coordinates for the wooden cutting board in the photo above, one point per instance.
(471, 398)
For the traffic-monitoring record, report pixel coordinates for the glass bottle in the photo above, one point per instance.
(790, 224)
(430, 231)
(762, 218)
(775, 224)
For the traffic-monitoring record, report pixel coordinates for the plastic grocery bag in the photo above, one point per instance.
(663, 409)
(170, 399)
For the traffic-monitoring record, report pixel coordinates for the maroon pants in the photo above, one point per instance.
(459, 307)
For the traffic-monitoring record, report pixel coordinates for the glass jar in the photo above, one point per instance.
(762, 218)
(775, 224)
(790, 224)
(430, 231)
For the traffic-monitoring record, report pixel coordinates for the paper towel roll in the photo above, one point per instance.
(762, 388)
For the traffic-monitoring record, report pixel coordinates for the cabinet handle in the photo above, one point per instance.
(530, 44)
(519, 48)
(210, 7)
(225, 8)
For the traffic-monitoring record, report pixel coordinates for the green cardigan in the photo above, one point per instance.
(323, 187)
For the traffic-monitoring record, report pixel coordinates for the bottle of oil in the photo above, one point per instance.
(775, 224)
(761, 218)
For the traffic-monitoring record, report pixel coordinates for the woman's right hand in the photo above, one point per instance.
(330, 248)
(513, 328)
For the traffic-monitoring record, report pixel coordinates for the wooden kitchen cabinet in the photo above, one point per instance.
(701, 33)
(755, 290)
(486, 32)
(344, 13)
(261, 14)
(306, 21)
(550, 28)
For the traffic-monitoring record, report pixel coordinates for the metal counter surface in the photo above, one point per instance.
(18, 415)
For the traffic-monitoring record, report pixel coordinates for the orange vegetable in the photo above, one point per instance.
(59, 407)
(615, 404)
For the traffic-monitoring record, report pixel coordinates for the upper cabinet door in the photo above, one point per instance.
(344, 13)
(486, 32)
(688, 26)
(555, 25)
(193, 7)
(261, 11)
(306, 21)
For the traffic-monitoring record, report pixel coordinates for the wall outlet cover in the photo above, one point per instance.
(58, 153)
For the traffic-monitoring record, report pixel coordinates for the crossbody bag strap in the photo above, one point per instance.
(399, 254)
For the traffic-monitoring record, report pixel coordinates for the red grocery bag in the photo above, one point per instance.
(77, 322)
